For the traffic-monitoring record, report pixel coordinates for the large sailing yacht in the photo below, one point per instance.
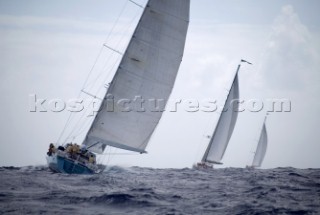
(148, 69)
(221, 135)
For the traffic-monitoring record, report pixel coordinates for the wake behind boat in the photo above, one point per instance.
(148, 69)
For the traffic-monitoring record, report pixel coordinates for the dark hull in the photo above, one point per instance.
(201, 166)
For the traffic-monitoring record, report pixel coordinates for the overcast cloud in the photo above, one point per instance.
(48, 48)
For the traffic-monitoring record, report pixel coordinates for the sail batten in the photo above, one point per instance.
(165, 49)
(213, 162)
(137, 76)
(167, 14)
(148, 69)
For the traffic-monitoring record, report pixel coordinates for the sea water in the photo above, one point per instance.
(36, 190)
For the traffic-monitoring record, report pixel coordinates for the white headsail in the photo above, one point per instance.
(261, 148)
(224, 128)
(148, 70)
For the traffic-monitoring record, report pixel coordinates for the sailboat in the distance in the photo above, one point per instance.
(219, 140)
(148, 69)
(261, 149)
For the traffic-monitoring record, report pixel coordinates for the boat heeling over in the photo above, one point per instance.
(222, 133)
(148, 68)
(62, 162)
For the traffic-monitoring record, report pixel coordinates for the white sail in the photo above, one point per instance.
(224, 128)
(261, 148)
(148, 69)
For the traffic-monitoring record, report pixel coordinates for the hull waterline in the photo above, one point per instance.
(61, 164)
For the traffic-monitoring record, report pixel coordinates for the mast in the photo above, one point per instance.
(204, 158)
(225, 125)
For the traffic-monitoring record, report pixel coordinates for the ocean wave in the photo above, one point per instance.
(136, 190)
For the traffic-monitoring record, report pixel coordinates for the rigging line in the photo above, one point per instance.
(93, 66)
(82, 128)
(206, 128)
(100, 53)
(109, 72)
(104, 156)
(64, 128)
(91, 102)
(110, 157)
(124, 29)
(116, 22)
(136, 4)
(111, 31)
(100, 159)
(75, 129)
(86, 80)
(112, 49)
(89, 74)
(78, 121)
(109, 57)
(71, 115)
(102, 72)
(93, 96)
(120, 41)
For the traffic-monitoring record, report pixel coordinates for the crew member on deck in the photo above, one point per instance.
(92, 159)
(51, 150)
(69, 148)
(75, 148)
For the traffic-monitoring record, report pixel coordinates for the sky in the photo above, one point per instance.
(47, 49)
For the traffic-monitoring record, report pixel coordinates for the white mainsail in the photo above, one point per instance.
(148, 70)
(261, 148)
(224, 128)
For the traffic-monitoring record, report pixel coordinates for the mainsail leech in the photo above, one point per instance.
(148, 69)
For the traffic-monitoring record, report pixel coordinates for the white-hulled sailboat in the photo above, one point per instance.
(147, 69)
(224, 128)
(261, 147)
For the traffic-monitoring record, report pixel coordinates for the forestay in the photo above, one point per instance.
(148, 69)
(224, 128)
(261, 148)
